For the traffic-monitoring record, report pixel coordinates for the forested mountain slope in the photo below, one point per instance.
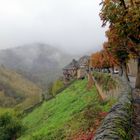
(41, 63)
(16, 91)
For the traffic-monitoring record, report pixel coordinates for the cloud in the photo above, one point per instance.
(73, 25)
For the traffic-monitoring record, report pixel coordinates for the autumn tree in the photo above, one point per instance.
(117, 48)
(57, 85)
(95, 60)
(124, 19)
(101, 60)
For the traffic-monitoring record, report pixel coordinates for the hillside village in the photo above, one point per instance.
(105, 88)
(79, 69)
(47, 95)
(76, 69)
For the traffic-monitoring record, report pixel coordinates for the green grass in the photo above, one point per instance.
(65, 114)
(4, 110)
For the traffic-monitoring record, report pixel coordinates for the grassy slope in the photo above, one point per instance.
(17, 91)
(63, 115)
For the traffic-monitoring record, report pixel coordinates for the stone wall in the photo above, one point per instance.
(132, 67)
(114, 92)
(117, 124)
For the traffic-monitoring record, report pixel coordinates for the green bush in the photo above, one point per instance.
(57, 85)
(10, 126)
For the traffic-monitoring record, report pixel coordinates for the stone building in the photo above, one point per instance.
(70, 71)
(76, 69)
(83, 67)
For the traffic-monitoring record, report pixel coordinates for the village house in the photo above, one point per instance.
(70, 71)
(76, 69)
(83, 67)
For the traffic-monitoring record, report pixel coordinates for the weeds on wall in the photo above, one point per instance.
(106, 80)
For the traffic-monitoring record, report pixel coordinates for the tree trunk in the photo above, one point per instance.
(125, 73)
(112, 69)
(123, 3)
(108, 70)
(138, 76)
(13, 138)
(132, 3)
(120, 71)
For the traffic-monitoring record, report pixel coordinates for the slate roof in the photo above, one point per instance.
(84, 60)
(72, 65)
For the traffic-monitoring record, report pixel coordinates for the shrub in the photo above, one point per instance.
(10, 126)
(57, 85)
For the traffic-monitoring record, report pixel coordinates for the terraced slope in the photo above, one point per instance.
(69, 114)
(16, 91)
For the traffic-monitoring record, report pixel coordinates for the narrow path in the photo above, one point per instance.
(136, 108)
(132, 81)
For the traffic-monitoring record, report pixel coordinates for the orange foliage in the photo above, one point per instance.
(102, 59)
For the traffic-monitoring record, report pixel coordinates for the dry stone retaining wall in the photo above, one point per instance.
(117, 124)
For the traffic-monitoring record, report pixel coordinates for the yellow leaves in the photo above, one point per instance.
(106, 1)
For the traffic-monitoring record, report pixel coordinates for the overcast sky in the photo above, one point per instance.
(70, 24)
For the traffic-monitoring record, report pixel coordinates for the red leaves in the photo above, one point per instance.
(84, 135)
(103, 114)
(89, 134)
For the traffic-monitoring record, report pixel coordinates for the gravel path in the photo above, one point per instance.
(132, 81)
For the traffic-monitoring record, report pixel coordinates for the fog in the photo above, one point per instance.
(73, 25)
